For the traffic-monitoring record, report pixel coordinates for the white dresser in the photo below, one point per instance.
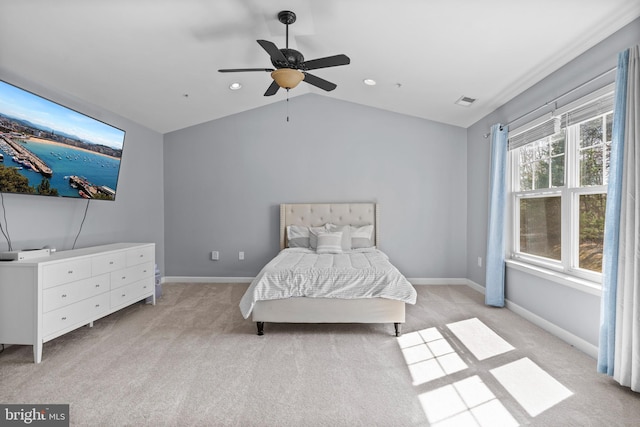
(43, 298)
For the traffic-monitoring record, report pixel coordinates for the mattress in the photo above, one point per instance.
(299, 272)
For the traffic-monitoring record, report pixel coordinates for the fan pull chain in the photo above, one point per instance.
(287, 105)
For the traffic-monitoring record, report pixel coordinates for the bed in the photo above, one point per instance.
(311, 285)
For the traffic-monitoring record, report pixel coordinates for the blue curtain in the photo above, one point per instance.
(494, 283)
(606, 347)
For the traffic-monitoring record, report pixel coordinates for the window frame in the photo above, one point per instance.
(569, 194)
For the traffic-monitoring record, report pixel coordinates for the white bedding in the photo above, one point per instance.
(299, 272)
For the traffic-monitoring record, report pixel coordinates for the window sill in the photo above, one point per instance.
(580, 284)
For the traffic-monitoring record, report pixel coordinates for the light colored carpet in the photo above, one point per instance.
(193, 361)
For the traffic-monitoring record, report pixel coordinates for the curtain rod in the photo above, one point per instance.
(557, 98)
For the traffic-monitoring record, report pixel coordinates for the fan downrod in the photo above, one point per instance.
(287, 17)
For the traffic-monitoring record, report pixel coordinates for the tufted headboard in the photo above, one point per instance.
(317, 214)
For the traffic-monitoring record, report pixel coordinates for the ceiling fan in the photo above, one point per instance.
(290, 66)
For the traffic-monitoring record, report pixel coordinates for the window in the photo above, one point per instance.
(559, 172)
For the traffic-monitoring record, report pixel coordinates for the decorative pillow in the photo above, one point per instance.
(362, 237)
(346, 235)
(297, 236)
(313, 235)
(329, 243)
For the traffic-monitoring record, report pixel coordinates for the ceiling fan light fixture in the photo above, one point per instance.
(287, 78)
(235, 86)
(369, 82)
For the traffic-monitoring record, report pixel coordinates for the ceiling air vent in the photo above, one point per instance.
(465, 101)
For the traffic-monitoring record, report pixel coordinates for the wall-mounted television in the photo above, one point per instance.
(50, 150)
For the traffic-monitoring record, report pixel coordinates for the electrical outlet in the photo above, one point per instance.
(215, 255)
(479, 261)
(241, 255)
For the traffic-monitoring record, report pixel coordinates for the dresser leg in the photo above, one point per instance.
(260, 326)
(37, 353)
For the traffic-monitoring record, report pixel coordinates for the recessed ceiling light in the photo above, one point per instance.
(369, 82)
(465, 101)
(235, 86)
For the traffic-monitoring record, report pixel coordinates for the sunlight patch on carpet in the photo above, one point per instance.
(533, 388)
(429, 356)
(468, 402)
(481, 341)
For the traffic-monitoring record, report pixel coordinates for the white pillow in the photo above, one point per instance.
(313, 235)
(362, 237)
(329, 243)
(346, 235)
(297, 236)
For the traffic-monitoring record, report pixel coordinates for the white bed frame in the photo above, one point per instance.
(329, 310)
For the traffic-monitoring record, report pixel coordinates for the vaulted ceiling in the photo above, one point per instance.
(155, 61)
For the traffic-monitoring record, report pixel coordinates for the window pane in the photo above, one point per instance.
(592, 209)
(557, 143)
(609, 120)
(541, 174)
(591, 166)
(557, 171)
(591, 132)
(526, 154)
(526, 176)
(540, 227)
(541, 149)
(607, 161)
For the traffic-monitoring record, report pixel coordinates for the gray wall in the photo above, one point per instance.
(225, 179)
(571, 309)
(135, 216)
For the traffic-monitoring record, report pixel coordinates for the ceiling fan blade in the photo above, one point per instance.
(272, 89)
(273, 51)
(239, 70)
(329, 61)
(318, 82)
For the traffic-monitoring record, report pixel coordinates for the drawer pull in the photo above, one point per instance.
(124, 295)
(110, 262)
(97, 305)
(124, 277)
(141, 255)
(64, 318)
(64, 295)
(70, 272)
(144, 287)
(98, 285)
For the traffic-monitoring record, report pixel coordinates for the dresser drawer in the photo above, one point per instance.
(76, 314)
(62, 295)
(107, 263)
(131, 274)
(132, 292)
(65, 272)
(140, 255)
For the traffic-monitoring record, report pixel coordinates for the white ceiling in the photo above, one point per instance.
(155, 61)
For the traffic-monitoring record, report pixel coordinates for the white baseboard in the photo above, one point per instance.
(566, 336)
(552, 328)
(427, 281)
(476, 287)
(563, 334)
(193, 279)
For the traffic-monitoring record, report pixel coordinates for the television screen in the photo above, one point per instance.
(50, 150)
